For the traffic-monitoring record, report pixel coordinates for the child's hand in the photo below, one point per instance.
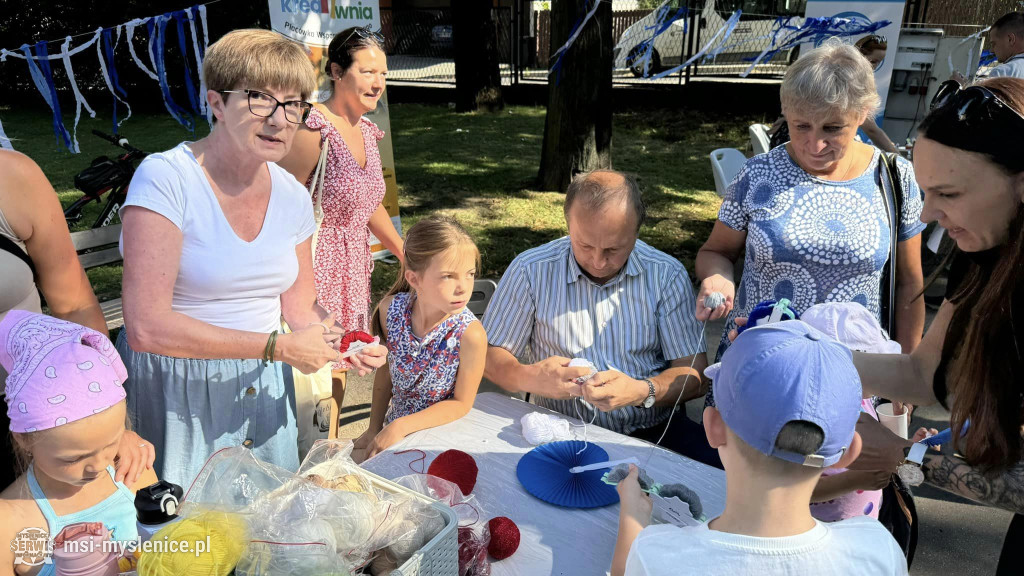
(739, 322)
(923, 433)
(134, 456)
(369, 359)
(634, 503)
(384, 439)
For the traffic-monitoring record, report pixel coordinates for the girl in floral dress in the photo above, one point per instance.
(436, 345)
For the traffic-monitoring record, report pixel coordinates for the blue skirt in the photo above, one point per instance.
(190, 408)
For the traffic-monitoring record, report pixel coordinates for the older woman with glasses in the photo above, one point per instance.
(813, 217)
(216, 244)
(354, 185)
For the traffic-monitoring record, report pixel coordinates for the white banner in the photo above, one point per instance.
(867, 12)
(315, 22)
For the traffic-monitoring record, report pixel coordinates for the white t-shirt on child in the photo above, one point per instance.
(223, 280)
(854, 546)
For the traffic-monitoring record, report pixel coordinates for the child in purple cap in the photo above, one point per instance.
(787, 402)
(67, 409)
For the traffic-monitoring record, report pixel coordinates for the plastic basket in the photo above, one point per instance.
(439, 556)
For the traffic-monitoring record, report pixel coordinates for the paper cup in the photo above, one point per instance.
(895, 423)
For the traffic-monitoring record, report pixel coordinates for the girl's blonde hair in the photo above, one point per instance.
(23, 443)
(427, 238)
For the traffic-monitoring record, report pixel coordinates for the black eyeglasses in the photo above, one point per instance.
(364, 32)
(972, 102)
(264, 105)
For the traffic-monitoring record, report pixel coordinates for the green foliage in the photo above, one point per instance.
(477, 167)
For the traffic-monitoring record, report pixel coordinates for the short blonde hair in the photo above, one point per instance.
(258, 59)
(834, 78)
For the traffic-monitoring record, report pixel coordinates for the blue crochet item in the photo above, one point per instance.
(762, 313)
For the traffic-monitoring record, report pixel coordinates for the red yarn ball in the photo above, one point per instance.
(457, 467)
(504, 537)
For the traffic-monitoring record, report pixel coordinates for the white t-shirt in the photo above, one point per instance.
(855, 546)
(1013, 67)
(223, 280)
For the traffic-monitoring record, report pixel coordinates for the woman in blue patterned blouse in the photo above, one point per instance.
(812, 214)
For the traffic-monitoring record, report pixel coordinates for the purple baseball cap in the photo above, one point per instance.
(783, 372)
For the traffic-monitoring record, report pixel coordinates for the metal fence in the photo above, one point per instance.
(420, 44)
(421, 49)
(965, 13)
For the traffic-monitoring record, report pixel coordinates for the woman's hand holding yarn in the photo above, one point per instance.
(710, 285)
(306, 350)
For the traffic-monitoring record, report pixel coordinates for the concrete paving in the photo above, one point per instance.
(956, 536)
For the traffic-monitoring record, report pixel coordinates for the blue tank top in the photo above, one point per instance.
(117, 512)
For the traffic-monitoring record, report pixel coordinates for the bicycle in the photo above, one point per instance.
(102, 176)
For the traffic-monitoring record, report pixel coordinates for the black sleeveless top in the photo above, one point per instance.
(958, 269)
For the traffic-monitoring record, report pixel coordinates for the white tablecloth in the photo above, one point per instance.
(554, 540)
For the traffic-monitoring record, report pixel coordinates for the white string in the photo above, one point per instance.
(711, 301)
(576, 34)
(199, 63)
(580, 416)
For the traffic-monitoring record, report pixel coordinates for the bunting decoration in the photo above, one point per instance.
(192, 41)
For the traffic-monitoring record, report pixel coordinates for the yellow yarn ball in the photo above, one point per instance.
(226, 535)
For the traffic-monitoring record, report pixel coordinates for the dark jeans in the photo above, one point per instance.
(1011, 561)
(684, 437)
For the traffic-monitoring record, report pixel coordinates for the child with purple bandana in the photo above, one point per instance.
(67, 409)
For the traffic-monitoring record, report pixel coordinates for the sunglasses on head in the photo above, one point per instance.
(973, 103)
(364, 32)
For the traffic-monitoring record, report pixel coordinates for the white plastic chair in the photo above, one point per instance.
(759, 141)
(725, 165)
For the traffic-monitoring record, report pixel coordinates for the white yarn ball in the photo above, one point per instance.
(543, 428)
(714, 300)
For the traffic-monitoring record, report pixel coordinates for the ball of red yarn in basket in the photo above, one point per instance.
(504, 537)
(457, 467)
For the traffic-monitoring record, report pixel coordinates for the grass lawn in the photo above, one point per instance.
(477, 167)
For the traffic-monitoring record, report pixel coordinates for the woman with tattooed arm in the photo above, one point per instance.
(969, 163)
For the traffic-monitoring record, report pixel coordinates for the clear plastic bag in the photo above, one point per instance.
(264, 558)
(232, 480)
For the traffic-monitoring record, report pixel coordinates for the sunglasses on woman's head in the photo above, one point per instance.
(972, 103)
(364, 32)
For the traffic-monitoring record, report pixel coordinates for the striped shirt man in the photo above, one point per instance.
(636, 323)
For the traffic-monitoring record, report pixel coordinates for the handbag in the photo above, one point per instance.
(316, 191)
(892, 197)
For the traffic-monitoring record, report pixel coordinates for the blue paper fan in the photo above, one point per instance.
(544, 472)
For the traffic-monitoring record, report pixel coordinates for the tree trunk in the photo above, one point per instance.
(475, 40)
(578, 125)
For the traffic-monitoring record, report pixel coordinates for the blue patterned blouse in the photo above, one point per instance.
(813, 240)
(422, 370)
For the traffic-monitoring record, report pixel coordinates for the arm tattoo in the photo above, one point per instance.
(1002, 489)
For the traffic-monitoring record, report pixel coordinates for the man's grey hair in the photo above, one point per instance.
(593, 194)
(832, 79)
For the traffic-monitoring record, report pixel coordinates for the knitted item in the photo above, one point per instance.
(769, 311)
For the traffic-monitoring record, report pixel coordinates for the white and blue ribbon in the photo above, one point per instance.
(79, 99)
(559, 54)
(719, 37)
(42, 77)
(5, 142)
(105, 52)
(199, 60)
(129, 28)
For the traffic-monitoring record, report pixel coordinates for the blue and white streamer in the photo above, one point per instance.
(79, 99)
(129, 28)
(5, 142)
(664, 20)
(42, 77)
(199, 60)
(157, 37)
(786, 36)
(719, 37)
(105, 52)
(559, 54)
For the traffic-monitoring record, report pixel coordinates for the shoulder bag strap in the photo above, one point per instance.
(316, 189)
(891, 195)
(8, 245)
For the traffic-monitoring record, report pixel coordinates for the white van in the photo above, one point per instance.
(669, 46)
